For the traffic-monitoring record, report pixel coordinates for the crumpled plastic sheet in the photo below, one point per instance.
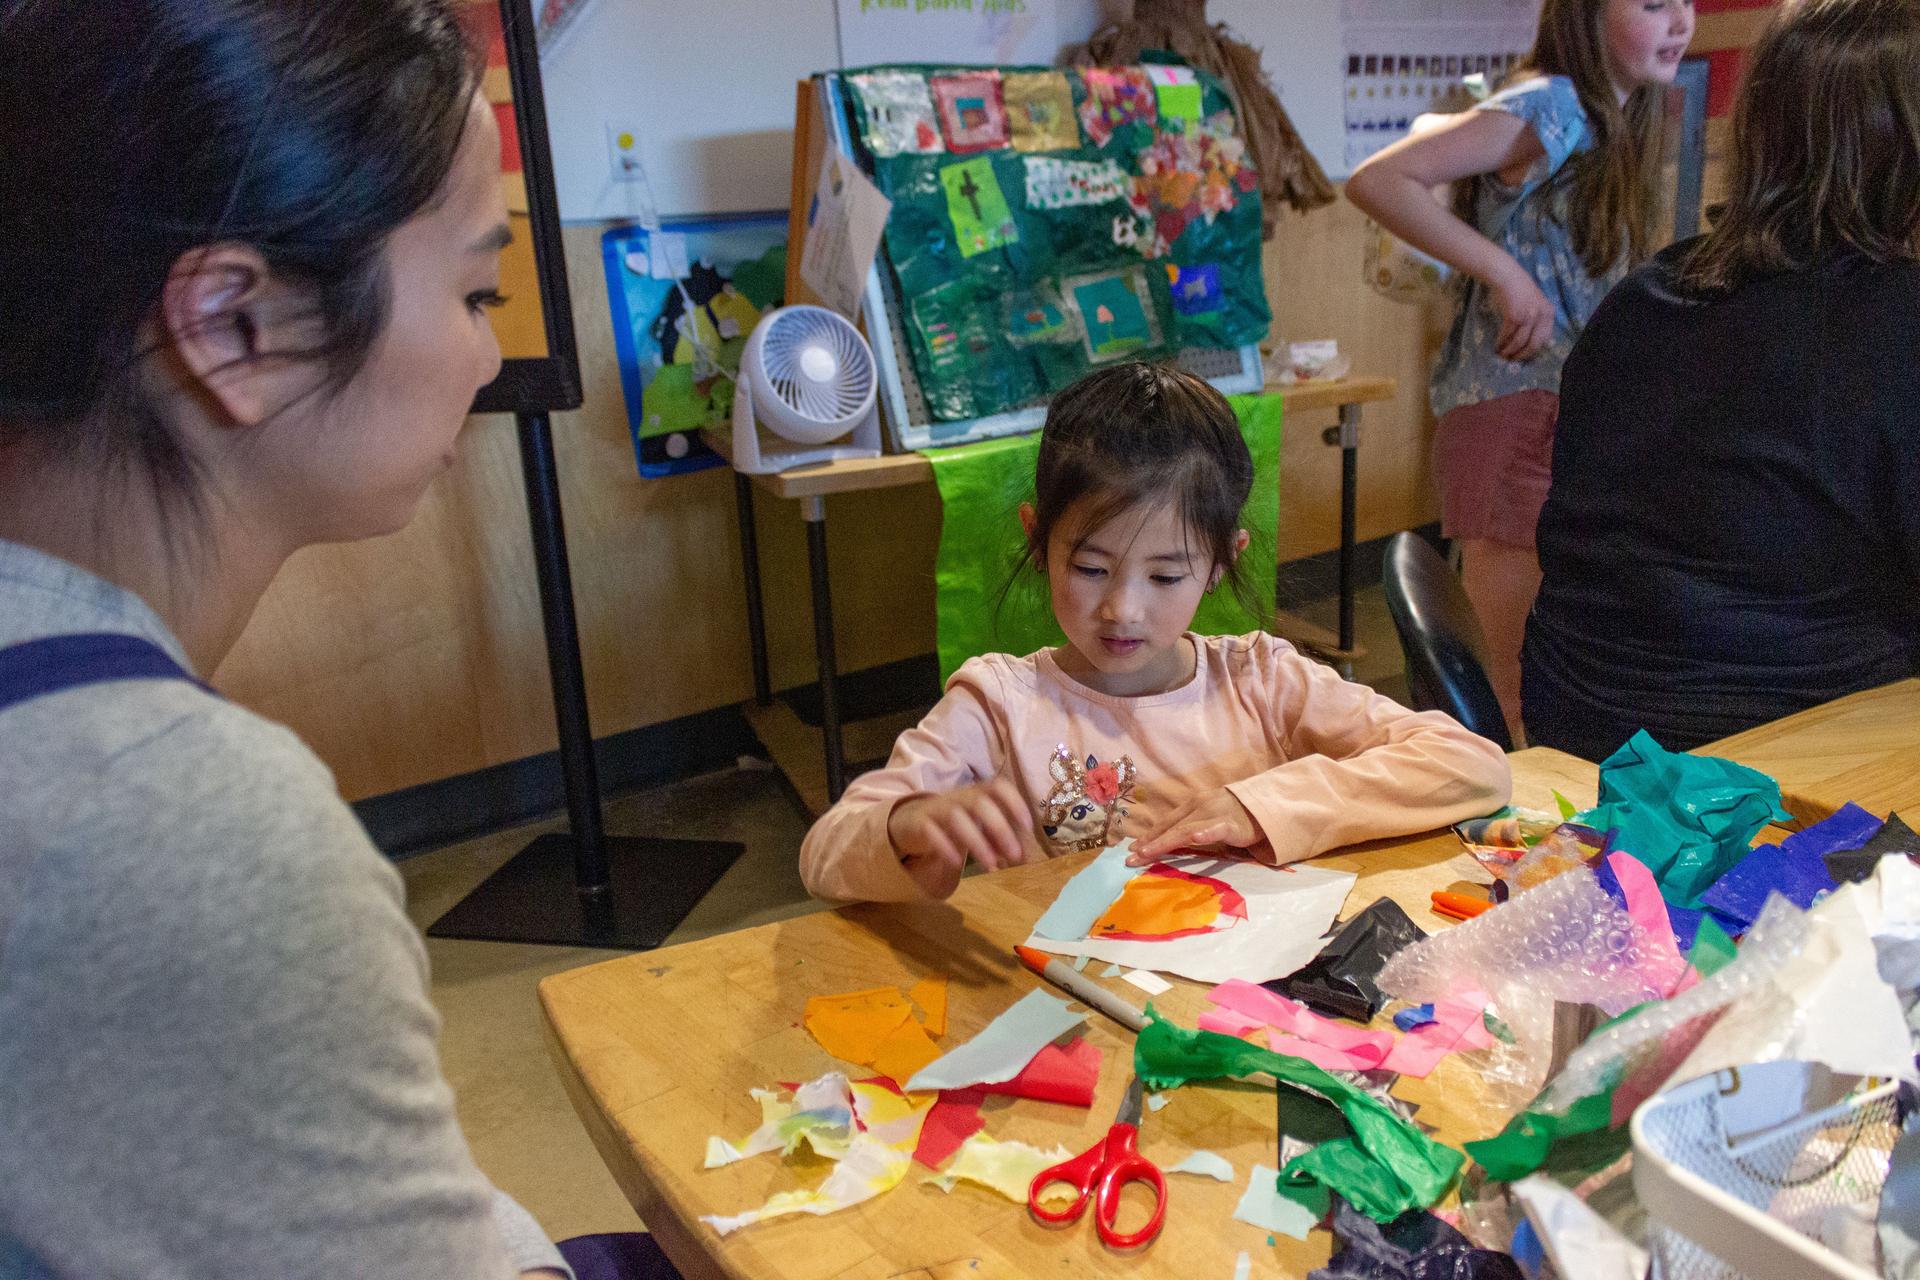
(1343, 979)
(1564, 940)
(1415, 1246)
(1689, 818)
(1767, 979)
(1857, 863)
(1387, 1167)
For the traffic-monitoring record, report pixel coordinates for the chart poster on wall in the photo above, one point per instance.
(1046, 222)
(683, 298)
(964, 32)
(535, 323)
(1405, 58)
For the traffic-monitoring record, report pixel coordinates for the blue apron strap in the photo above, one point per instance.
(48, 665)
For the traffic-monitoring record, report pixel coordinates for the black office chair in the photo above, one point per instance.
(1446, 652)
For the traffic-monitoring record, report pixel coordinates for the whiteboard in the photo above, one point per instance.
(707, 86)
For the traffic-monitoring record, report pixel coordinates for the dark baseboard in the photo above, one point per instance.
(1318, 577)
(422, 818)
(419, 819)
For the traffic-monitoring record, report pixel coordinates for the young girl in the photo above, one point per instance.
(1136, 726)
(1556, 199)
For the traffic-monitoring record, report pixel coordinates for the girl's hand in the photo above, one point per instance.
(935, 835)
(1526, 317)
(1215, 818)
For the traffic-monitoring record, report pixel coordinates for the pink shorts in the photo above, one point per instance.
(1492, 462)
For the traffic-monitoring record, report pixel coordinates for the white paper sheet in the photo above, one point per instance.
(1006, 1045)
(1289, 909)
(843, 231)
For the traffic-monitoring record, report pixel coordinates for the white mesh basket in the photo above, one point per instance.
(1755, 1206)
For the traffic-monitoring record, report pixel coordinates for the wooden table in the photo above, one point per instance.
(659, 1050)
(810, 486)
(1864, 747)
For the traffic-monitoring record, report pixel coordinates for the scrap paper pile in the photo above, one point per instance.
(875, 1129)
(1822, 997)
(1649, 884)
(1203, 918)
(1454, 1023)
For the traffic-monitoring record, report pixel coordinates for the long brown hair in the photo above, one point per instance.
(1613, 186)
(1825, 154)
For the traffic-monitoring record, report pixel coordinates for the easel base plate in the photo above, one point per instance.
(533, 897)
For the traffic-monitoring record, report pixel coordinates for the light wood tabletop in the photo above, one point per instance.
(1864, 747)
(896, 470)
(659, 1051)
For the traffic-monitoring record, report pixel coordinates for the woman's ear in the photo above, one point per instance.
(1240, 540)
(220, 310)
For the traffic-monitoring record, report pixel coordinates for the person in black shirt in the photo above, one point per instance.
(1733, 529)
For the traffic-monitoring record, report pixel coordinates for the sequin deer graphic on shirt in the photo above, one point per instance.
(1088, 803)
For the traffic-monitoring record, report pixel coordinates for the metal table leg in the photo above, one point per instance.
(1347, 436)
(750, 570)
(814, 511)
(1349, 502)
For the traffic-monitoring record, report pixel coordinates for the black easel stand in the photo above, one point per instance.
(579, 887)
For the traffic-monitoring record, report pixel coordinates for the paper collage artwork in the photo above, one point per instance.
(1061, 184)
(1115, 312)
(1176, 92)
(978, 209)
(899, 113)
(973, 115)
(1040, 111)
(1116, 97)
(1286, 912)
(1009, 182)
(1166, 902)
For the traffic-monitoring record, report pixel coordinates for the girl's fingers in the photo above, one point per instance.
(1019, 820)
(941, 845)
(968, 836)
(994, 825)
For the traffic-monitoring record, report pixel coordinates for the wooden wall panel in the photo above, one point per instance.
(1314, 285)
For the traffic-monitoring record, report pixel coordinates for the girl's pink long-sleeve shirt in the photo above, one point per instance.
(1319, 761)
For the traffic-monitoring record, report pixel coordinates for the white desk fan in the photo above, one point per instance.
(807, 376)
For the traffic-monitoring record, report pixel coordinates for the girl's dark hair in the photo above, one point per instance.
(1148, 434)
(1613, 187)
(1825, 155)
(134, 131)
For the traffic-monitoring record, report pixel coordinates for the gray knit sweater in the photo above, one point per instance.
(217, 1055)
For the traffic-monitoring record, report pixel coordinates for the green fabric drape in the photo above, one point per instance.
(982, 605)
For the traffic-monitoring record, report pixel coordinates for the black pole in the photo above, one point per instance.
(750, 569)
(1349, 500)
(561, 889)
(816, 520)
(581, 777)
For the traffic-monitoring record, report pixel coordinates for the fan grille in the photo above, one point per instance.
(817, 364)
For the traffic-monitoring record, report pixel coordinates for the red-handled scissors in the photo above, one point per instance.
(1101, 1173)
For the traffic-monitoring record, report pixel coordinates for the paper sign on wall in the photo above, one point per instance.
(843, 232)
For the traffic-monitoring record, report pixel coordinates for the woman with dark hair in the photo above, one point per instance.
(1733, 531)
(248, 250)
